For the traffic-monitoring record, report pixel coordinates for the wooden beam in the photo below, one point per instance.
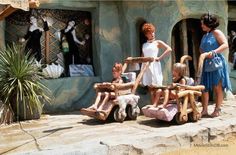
(184, 41)
(7, 11)
(47, 48)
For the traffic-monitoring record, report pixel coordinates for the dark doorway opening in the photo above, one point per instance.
(231, 39)
(186, 38)
(141, 36)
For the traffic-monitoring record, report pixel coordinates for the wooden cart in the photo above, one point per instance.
(122, 102)
(186, 97)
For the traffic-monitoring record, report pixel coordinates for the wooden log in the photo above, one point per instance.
(47, 48)
(184, 58)
(192, 102)
(187, 87)
(183, 115)
(155, 87)
(139, 59)
(124, 67)
(184, 40)
(196, 93)
(106, 85)
(189, 110)
(111, 95)
(122, 86)
(140, 76)
(183, 93)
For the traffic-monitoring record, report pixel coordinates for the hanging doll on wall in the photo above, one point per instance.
(69, 45)
(33, 37)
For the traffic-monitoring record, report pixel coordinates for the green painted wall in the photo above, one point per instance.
(116, 36)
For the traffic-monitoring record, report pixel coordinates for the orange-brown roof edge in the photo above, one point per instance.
(9, 9)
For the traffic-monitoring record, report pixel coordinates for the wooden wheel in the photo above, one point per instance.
(194, 117)
(129, 113)
(178, 119)
(117, 117)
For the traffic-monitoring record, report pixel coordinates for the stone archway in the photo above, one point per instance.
(186, 38)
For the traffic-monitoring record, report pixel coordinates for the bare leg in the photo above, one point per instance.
(219, 99)
(97, 101)
(151, 94)
(205, 99)
(107, 95)
(166, 97)
(156, 97)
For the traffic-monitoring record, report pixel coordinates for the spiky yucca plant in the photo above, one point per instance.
(20, 86)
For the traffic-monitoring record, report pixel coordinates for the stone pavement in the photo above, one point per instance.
(77, 134)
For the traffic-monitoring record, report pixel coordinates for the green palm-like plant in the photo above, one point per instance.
(20, 86)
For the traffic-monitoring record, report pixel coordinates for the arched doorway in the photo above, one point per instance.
(186, 38)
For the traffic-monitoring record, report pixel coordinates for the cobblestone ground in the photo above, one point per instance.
(74, 133)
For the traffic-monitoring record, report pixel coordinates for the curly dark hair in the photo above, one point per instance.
(210, 20)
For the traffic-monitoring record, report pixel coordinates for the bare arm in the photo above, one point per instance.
(164, 46)
(221, 39)
(75, 38)
(45, 23)
(28, 34)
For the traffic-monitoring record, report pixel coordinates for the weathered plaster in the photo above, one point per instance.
(2, 34)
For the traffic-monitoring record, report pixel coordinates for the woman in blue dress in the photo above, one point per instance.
(213, 42)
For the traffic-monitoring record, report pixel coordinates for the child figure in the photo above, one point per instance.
(116, 73)
(178, 74)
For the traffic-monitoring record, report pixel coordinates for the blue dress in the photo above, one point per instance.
(210, 79)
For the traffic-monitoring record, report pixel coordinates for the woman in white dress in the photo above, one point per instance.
(153, 75)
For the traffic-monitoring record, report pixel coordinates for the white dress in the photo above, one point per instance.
(153, 74)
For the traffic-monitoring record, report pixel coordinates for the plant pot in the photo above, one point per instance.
(26, 113)
(6, 114)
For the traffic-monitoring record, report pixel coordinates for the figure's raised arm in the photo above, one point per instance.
(167, 49)
(45, 23)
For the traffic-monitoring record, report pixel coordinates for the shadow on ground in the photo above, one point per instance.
(156, 123)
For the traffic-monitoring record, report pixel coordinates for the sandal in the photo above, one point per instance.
(204, 115)
(216, 112)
